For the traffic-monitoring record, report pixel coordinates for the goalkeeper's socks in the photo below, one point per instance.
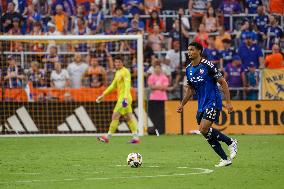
(217, 135)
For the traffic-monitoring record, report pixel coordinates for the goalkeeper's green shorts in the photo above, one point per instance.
(123, 110)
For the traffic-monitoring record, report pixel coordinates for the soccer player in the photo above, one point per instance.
(121, 82)
(202, 77)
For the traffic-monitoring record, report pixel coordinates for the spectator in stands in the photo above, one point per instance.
(13, 76)
(227, 54)
(16, 27)
(156, 39)
(202, 36)
(52, 29)
(37, 30)
(82, 29)
(59, 78)
(229, 7)
(108, 7)
(211, 52)
(172, 59)
(43, 7)
(60, 19)
(197, 9)
(32, 16)
(251, 6)
(36, 76)
(273, 32)
(76, 71)
(165, 68)
(251, 53)
(184, 19)
(112, 29)
(95, 75)
(158, 83)
(222, 34)
(276, 7)
(153, 21)
(152, 5)
(246, 31)
(95, 19)
(251, 83)
(103, 56)
(210, 20)
(121, 20)
(51, 58)
(141, 24)
(261, 20)
(276, 59)
(174, 36)
(8, 16)
(134, 29)
(234, 74)
(132, 7)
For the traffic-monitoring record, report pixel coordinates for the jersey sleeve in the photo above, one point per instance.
(112, 86)
(213, 70)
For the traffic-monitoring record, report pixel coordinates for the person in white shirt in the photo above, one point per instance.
(172, 57)
(76, 71)
(59, 78)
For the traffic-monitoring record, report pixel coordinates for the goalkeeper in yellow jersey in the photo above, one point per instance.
(121, 82)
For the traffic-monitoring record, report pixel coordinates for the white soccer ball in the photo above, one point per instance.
(134, 160)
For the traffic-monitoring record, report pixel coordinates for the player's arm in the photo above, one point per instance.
(226, 91)
(107, 91)
(187, 96)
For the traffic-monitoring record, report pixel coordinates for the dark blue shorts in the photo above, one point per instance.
(210, 114)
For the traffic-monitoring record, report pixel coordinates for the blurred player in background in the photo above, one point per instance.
(121, 82)
(202, 77)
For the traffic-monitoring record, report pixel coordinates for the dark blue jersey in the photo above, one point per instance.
(203, 79)
(261, 22)
(227, 55)
(212, 54)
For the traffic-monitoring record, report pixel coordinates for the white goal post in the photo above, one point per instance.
(140, 69)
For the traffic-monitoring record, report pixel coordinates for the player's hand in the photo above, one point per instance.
(229, 107)
(124, 103)
(99, 99)
(179, 109)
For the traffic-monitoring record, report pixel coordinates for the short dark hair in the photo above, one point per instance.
(118, 57)
(198, 46)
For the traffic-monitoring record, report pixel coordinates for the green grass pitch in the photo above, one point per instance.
(169, 162)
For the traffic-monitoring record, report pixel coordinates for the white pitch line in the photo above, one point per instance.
(120, 165)
(181, 167)
(153, 166)
(200, 171)
(23, 173)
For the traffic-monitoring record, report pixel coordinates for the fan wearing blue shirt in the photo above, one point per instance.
(251, 6)
(261, 20)
(273, 32)
(251, 53)
(132, 6)
(211, 53)
(121, 20)
(202, 77)
(226, 54)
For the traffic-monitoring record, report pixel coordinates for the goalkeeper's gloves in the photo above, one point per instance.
(124, 103)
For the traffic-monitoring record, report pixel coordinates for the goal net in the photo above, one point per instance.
(49, 84)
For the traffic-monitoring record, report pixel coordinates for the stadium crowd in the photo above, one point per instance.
(239, 49)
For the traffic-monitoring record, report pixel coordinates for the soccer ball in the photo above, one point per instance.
(134, 160)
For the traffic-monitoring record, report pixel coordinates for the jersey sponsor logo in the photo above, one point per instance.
(196, 79)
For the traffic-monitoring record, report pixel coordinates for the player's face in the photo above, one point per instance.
(193, 53)
(118, 63)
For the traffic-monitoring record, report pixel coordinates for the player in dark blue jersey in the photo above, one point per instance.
(202, 77)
